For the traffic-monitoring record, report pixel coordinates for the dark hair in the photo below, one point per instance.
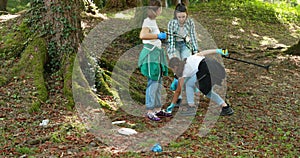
(175, 61)
(180, 7)
(154, 5)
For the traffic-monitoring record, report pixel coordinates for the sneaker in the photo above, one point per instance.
(153, 117)
(162, 113)
(226, 111)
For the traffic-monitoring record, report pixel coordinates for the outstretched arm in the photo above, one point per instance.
(176, 95)
(146, 34)
(178, 90)
(213, 51)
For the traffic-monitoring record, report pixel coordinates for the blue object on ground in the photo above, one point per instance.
(157, 148)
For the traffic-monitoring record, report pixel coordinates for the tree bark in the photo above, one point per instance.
(110, 4)
(3, 4)
(59, 21)
(67, 38)
(141, 12)
(120, 4)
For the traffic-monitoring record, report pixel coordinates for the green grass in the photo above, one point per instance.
(254, 10)
(14, 6)
(26, 150)
(248, 133)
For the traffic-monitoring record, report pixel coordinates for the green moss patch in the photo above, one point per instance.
(31, 64)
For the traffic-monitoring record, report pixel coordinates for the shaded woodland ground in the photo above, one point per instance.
(267, 107)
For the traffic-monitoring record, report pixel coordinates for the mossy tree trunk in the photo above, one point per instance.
(120, 4)
(59, 23)
(115, 4)
(141, 12)
(3, 4)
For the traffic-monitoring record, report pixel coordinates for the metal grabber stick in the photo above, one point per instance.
(228, 57)
(174, 34)
(248, 62)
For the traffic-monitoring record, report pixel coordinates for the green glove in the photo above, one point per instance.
(223, 52)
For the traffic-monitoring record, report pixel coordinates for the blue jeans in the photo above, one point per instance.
(183, 50)
(215, 97)
(190, 88)
(153, 94)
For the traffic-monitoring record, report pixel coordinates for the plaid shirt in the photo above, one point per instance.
(189, 27)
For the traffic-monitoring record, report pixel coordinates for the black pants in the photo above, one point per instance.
(210, 72)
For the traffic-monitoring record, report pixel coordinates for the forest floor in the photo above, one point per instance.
(266, 104)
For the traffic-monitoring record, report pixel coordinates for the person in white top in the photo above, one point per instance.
(196, 68)
(153, 61)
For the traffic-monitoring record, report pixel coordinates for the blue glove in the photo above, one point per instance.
(162, 36)
(174, 84)
(170, 108)
(223, 52)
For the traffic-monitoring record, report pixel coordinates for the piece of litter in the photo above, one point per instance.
(156, 148)
(118, 122)
(44, 122)
(127, 131)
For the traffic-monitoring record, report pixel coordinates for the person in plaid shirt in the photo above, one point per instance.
(181, 34)
(182, 41)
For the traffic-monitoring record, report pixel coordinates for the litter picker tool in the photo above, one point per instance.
(227, 57)
(177, 35)
(186, 39)
(248, 62)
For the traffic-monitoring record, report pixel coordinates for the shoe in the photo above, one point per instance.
(153, 117)
(226, 111)
(188, 111)
(162, 113)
